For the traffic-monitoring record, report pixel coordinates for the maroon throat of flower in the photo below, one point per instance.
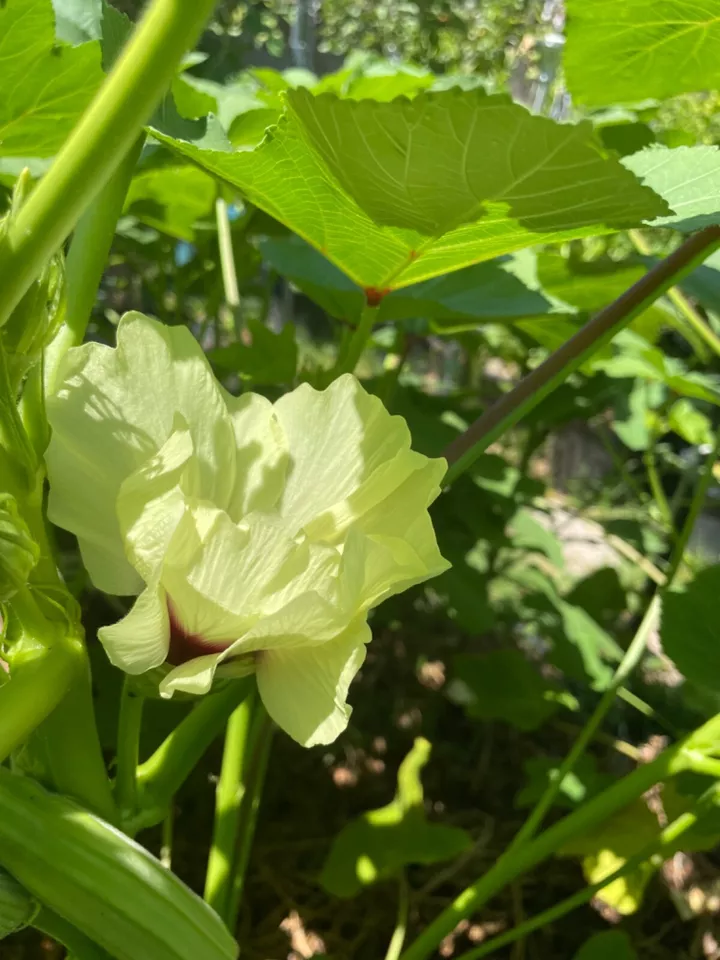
(186, 646)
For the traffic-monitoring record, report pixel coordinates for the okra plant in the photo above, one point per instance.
(259, 513)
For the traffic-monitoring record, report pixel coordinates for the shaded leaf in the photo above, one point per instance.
(631, 50)
(502, 685)
(690, 629)
(609, 945)
(584, 782)
(271, 357)
(171, 199)
(381, 842)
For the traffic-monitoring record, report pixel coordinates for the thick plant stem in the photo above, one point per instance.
(261, 740)
(228, 804)
(627, 664)
(128, 748)
(35, 689)
(70, 743)
(86, 261)
(349, 358)
(680, 301)
(661, 848)
(160, 777)
(515, 863)
(506, 412)
(101, 139)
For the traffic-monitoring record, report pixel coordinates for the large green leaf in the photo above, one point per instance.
(381, 842)
(689, 180)
(504, 288)
(630, 50)
(427, 185)
(690, 629)
(45, 84)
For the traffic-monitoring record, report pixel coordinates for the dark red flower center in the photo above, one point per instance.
(186, 646)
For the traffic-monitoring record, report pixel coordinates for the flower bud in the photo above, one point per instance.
(18, 551)
(37, 318)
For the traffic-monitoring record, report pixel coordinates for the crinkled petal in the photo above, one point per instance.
(151, 503)
(305, 690)
(141, 640)
(230, 582)
(262, 455)
(113, 410)
(347, 453)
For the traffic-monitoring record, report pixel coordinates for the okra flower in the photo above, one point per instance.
(256, 536)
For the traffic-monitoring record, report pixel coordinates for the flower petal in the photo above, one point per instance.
(115, 408)
(262, 455)
(338, 439)
(304, 690)
(195, 676)
(151, 503)
(141, 640)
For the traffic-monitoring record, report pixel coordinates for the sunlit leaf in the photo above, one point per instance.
(630, 50)
(689, 423)
(688, 178)
(381, 842)
(46, 84)
(478, 177)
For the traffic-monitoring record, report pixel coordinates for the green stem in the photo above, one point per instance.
(680, 301)
(398, 938)
(86, 261)
(72, 749)
(78, 945)
(696, 505)
(525, 852)
(261, 739)
(228, 804)
(350, 356)
(35, 689)
(466, 448)
(160, 777)
(628, 663)
(14, 441)
(665, 844)
(657, 489)
(520, 860)
(103, 136)
(227, 256)
(128, 748)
